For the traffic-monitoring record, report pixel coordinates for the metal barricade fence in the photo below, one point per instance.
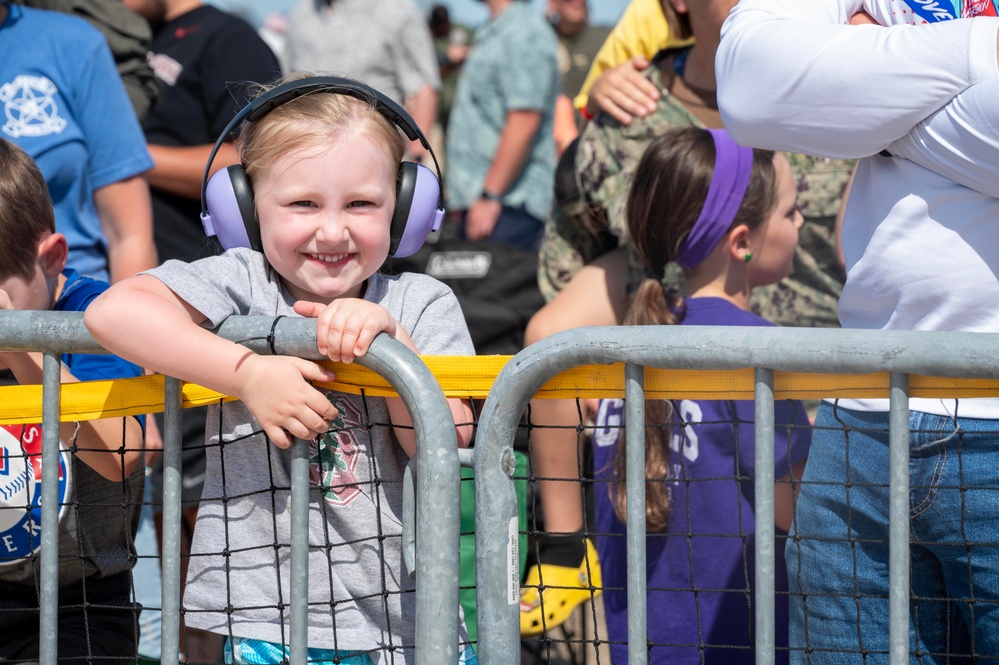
(436, 493)
(766, 350)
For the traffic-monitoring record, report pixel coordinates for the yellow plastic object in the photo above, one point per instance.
(564, 589)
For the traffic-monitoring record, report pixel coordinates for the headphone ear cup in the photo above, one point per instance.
(230, 213)
(417, 209)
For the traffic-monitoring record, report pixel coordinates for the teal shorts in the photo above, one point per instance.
(244, 651)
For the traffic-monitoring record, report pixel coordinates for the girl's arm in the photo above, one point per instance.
(595, 296)
(785, 494)
(143, 321)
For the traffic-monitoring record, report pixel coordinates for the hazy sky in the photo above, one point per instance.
(472, 12)
(469, 12)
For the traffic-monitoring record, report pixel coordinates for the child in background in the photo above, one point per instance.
(100, 481)
(324, 232)
(726, 214)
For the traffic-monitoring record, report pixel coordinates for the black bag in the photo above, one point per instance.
(496, 284)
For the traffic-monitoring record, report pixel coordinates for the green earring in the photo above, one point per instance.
(747, 257)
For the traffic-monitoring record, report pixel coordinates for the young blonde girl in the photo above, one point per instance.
(323, 169)
(726, 214)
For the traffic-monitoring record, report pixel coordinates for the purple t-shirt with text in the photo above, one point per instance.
(700, 570)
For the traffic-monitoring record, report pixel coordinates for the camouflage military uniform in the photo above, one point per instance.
(590, 221)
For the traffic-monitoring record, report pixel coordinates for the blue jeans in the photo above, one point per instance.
(837, 554)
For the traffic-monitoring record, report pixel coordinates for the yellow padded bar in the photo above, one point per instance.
(463, 376)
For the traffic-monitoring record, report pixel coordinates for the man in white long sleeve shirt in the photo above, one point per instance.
(918, 101)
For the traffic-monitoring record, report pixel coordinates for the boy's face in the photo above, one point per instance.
(325, 214)
(38, 292)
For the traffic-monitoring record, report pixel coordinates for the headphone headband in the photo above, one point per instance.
(290, 90)
(227, 206)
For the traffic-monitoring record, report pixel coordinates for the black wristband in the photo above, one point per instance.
(490, 196)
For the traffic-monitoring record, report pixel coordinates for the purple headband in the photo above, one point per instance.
(733, 166)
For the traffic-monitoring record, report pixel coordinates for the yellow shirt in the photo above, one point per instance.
(641, 30)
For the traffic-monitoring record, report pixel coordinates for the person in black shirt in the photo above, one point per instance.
(207, 62)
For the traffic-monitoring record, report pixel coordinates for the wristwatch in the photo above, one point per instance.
(490, 196)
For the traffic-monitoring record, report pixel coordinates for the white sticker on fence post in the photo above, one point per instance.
(513, 563)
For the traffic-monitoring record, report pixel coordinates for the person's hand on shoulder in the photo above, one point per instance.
(623, 92)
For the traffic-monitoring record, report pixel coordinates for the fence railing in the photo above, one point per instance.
(437, 483)
(767, 350)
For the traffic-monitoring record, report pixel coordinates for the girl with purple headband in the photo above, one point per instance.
(726, 215)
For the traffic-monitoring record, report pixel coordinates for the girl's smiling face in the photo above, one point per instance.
(325, 214)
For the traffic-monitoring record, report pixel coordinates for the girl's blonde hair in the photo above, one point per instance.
(313, 119)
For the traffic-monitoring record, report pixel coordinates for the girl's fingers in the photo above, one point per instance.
(308, 309)
(618, 113)
(278, 436)
(313, 371)
(323, 409)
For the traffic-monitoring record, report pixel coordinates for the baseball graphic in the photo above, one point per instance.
(21, 482)
(17, 481)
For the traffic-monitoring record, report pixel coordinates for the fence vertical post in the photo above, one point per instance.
(898, 519)
(438, 497)
(299, 631)
(764, 513)
(170, 633)
(48, 615)
(497, 533)
(634, 404)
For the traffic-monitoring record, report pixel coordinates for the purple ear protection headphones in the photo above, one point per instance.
(227, 209)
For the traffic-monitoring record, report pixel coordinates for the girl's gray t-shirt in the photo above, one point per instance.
(238, 582)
